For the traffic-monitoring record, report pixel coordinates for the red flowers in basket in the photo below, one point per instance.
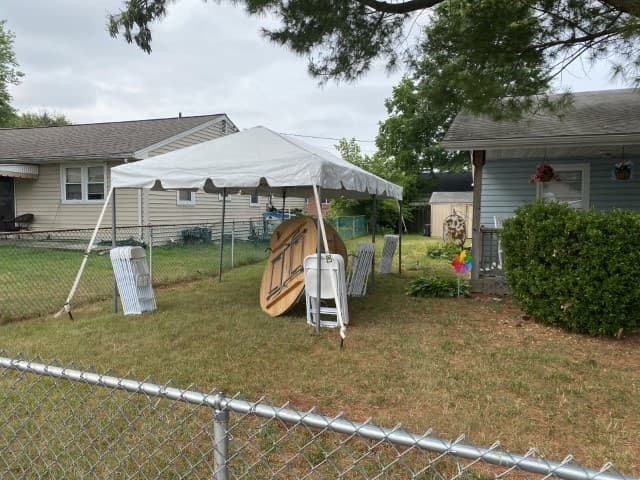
(544, 173)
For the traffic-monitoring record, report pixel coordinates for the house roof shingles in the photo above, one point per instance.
(94, 140)
(597, 117)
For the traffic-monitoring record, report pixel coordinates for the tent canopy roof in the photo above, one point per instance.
(254, 160)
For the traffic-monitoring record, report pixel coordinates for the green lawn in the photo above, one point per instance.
(469, 365)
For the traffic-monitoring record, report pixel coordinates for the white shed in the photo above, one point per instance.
(444, 204)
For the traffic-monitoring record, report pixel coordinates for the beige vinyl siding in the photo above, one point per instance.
(440, 211)
(43, 198)
(162, 208)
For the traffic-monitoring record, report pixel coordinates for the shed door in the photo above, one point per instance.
(7, 208)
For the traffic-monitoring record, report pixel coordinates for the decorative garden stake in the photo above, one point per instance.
(622, 170)
(544, 173)
(461, 264)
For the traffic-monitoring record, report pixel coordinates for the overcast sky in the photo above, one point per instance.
(207, 58)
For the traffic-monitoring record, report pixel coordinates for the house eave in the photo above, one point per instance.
(538, 142)
(70, 158)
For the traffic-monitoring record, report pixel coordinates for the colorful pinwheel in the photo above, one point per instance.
(462, 262)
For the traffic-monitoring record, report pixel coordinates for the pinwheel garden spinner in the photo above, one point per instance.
(461, 264)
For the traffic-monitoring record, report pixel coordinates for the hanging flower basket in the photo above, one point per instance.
(544, 173)
(622, 170)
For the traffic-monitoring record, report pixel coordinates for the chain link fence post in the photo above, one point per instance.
(220, 444)
(233, 241)
(150, 232)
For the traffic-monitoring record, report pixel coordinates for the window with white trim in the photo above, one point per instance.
(228, 197)
(572, 187)
(83, 184)
(254, 200)
(185, 197)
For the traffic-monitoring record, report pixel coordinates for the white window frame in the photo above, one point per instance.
(186, 203)
(220, 197)
(251, 202)
(584, 168)
(84, 183)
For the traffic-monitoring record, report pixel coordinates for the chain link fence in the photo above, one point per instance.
(350, 227)
(39, 267)
(58, 422)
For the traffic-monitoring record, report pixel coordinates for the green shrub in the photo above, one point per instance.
(431, 285)
(573, 268)
(445, 251)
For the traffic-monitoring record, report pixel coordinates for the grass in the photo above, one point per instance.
(462, 365)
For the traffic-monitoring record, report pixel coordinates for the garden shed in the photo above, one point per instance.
(444, 204)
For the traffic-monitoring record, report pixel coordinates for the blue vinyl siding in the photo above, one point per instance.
(505, 185)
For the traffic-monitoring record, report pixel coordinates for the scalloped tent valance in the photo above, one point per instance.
(254, 160)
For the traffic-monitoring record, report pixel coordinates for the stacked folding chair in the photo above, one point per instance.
(133, 280)
(332, 287)
(388, 250)
(360, 269)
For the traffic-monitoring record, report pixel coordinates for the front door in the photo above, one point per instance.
(7, 207)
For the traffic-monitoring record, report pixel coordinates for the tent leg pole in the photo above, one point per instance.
(319, 266)
(284, 198)
(374, 213)
(74, 287)
(399, 237)
(224, 208)
(114, 244)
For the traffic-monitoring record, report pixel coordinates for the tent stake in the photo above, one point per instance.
(224, 207)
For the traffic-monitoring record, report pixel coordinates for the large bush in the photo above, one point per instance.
(576, 269)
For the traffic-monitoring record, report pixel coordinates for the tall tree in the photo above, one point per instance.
(410, 136)
(9, 74)
(493, 48)
(387, 210)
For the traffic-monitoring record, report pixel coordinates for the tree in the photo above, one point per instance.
(9, 74)
(491, 49)
(40, 119)
(387, 210)
(410, 136)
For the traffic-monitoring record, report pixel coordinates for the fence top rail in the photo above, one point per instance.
(565, 469)
(122, 227)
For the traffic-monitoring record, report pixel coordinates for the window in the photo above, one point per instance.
(185, 197)
(254, 200)
(228, 197)
(572, 188)
(83, 184)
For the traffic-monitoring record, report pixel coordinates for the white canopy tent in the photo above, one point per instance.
(257, 160)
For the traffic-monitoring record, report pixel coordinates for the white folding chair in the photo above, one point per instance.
(332, 287)
(360, 269)
(388, 250)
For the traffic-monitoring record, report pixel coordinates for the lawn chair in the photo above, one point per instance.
(360, 269)
(332, 287)
(388, 250)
